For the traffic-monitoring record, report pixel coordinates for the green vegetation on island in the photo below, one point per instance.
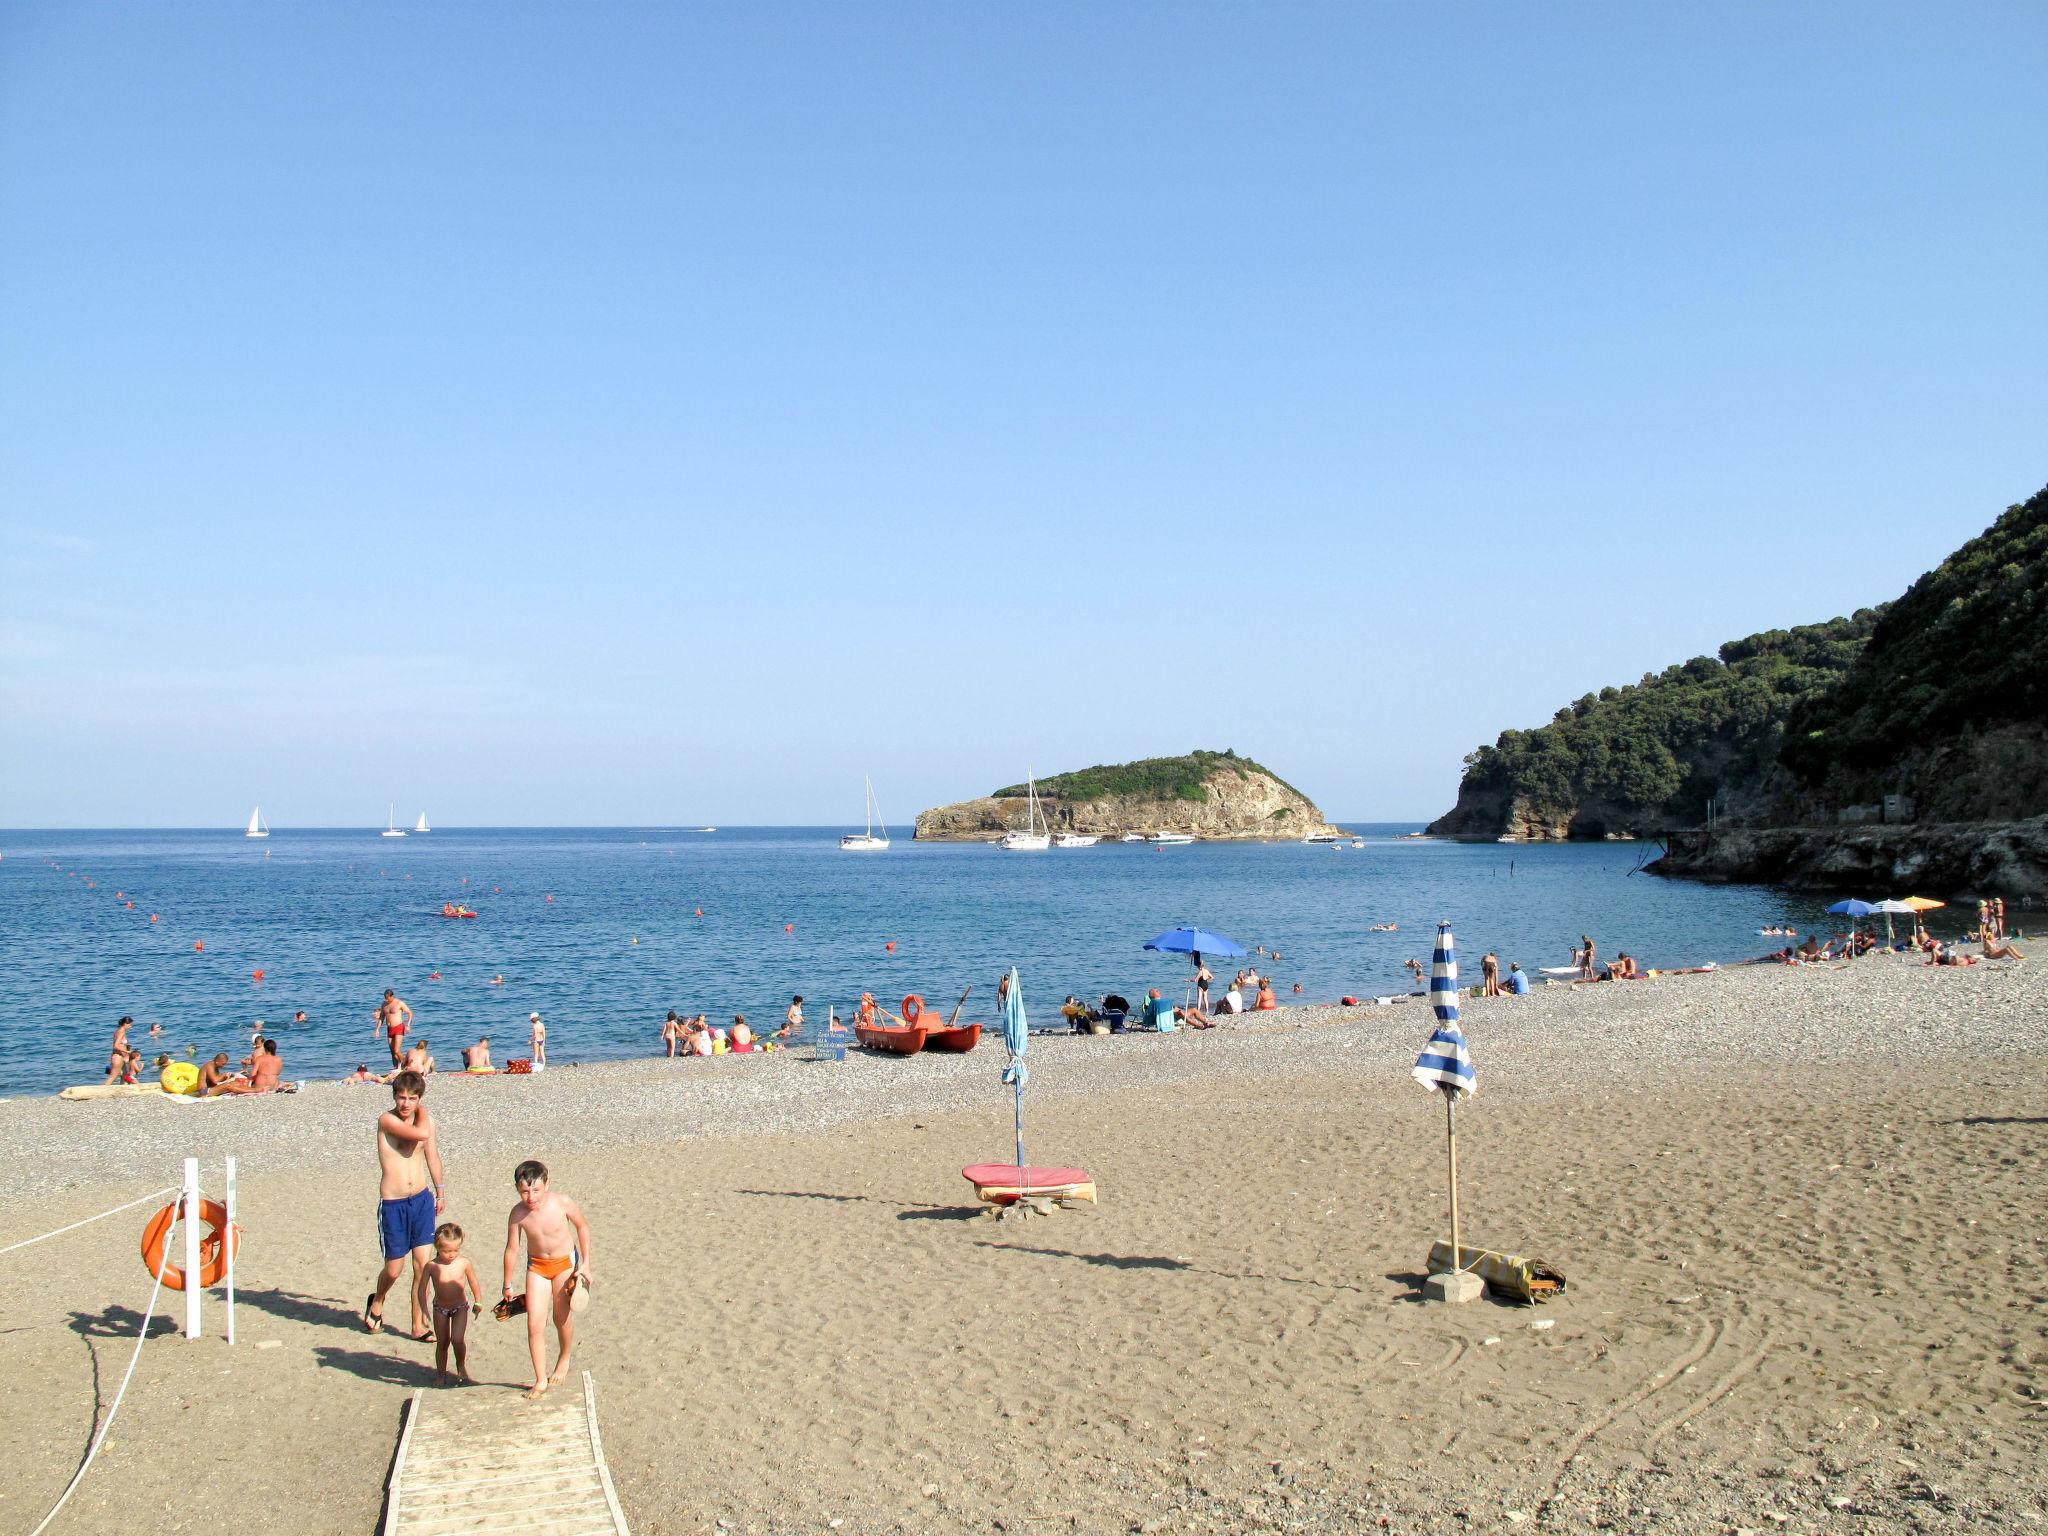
(1941, 696)
(1150, 778)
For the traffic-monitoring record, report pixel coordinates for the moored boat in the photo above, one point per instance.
(1174, 839)
(1036, 837)
(1075, 840)
(957, 1037)
(895, 1039)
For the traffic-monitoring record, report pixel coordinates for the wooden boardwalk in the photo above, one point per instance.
(474, 1460)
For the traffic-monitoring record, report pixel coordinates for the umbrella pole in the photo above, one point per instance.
(1451, 1141)
(1020, 1125)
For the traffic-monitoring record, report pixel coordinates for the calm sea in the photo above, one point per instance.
(605, 930)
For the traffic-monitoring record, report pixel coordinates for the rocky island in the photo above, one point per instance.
(1205, 794)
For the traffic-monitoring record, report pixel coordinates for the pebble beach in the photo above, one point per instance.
(1799, 1209)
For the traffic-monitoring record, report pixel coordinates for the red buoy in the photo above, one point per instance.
(256, 975)
(789, 927)
(198, 944)
(890, 946)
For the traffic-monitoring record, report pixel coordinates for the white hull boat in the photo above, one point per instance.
(421, 824)
(1132, 837)
(1035, 838)
(1325, 837)
(1172, 839)
(256, 827)
(1075, 840)
(868, 841)
(391, 826)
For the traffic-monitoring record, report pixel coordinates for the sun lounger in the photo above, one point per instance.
(1006, 1183)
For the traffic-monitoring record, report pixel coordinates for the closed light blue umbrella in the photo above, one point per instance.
(1194, 941)
(1016, 1035)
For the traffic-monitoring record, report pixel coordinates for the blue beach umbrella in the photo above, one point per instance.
(1016, 1035)
(1445, 1065)
(1852, 909)
(1194, 941)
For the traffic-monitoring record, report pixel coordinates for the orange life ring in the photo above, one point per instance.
(212, 1251)
(913, 1007)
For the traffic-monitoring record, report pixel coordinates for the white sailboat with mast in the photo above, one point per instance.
(1036, 836)
(256, 827)
(866, 842)
(391, 826)
(421, 824)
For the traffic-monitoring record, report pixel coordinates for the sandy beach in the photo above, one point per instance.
(1800, 1210)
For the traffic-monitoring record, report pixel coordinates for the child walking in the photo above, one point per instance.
(443, 1280)
(557, 1262)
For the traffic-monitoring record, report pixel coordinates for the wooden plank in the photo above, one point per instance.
(470, 1462)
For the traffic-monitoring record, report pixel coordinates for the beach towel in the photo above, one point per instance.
(1507, 1274)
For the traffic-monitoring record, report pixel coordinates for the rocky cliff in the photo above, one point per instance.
(1208, 794)
(1941, 859)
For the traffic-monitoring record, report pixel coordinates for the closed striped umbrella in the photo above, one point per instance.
(1445, 1064)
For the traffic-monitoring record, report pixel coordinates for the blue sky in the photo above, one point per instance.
(620, 414)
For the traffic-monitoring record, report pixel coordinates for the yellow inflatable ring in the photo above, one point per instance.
(180, 1077)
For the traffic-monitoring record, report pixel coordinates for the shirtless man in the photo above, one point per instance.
(557, 1242)
(117, 1053)
(408, 1160)
(214, 1073)
(394, 1018)
(263, 1075)
(478, 1057)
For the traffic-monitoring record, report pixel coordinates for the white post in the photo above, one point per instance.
(229, 1239)
(190, 1199)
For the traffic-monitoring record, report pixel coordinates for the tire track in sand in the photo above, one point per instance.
(1746, 1366)
(1664, 1378)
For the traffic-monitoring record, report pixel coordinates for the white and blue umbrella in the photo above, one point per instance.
(1016, 1035)
(1445, 1065)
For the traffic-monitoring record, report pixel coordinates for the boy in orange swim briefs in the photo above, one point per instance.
(557, 1261)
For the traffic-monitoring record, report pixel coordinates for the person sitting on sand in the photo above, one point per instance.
(215, 1072)
(700, 1037)
(1158, 1013)
(1233, 1000)
(478, 1057)
(263, 1079)
(1623, 968)
(1075, 1012)
(1518, 981)
(1810, 950)
(1996, 948)
(739, 1037)
(1266, 1002)
(1943, 955)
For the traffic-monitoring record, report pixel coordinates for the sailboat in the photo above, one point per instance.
(421, 824)
(1036, 836)
(391, 826)
(256, 827)
(867, 842)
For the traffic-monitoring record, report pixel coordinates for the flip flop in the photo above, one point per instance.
(373, 1315)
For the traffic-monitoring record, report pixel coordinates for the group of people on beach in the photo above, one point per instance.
(446, 1292)
(261, 1071)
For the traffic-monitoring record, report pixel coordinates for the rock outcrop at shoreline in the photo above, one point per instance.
(2007, 859)
(1216, 795)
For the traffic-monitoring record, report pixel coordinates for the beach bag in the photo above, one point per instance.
(519, 1066)
(1506, 1274)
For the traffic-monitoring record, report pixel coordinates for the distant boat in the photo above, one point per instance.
(391, 826)
(256, 827)
(1326, 837)
(1358, 842)
(707, 829)
(1035, 838)
(421, 824)
(867, 842)
(1075, 840)
(1172, 838)
(1133, 837)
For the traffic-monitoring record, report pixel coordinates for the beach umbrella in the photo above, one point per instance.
(1444, 1064)
(1194, 941)
(1016, 1035)
(1852, 909)
(1921, 904)
(1888, 907)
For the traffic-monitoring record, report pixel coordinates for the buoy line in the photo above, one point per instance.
(148, 1317)
(155, 1194)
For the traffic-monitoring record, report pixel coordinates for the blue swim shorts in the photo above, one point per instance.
(406, 1224)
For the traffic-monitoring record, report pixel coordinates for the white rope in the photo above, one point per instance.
(148, 1317)
(155, 1194)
